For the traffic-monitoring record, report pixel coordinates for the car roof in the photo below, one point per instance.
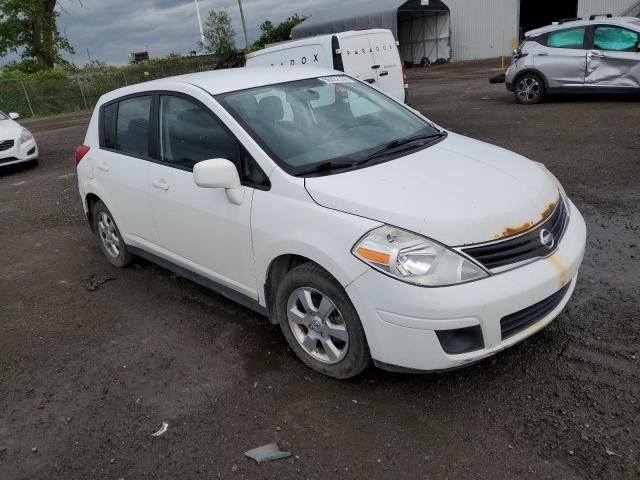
(224, 81)
(629, 22)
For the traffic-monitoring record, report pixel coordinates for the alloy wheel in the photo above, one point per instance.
(529, 89)
(108, 234)
(317, 325)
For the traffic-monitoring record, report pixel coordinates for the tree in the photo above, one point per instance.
(29, 27)
(219, 33)
(281, 33)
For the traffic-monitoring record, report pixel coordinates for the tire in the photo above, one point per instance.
(34, 163)
(331, 340)
(529, 89)
(109, 237)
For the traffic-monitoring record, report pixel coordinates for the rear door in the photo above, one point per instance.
(122, 167)
(614, 59)
(357, 57)
(562, 57)
(387, 64)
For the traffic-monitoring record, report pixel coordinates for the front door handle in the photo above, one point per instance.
(370, 80)
(160, 184)
(103, 166)
(384, 74)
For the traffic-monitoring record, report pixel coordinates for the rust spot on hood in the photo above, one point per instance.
(526, 226)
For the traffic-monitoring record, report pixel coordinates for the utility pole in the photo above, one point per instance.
(244, 25)
(202, 39)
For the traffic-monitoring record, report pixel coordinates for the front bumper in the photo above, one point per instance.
(19, 153)
(401, 320)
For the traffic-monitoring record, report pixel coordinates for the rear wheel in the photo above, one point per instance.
(320, 323)
(529, 89)
(111, 242)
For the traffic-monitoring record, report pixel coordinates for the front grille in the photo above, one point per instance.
(7, 160)
(524, 247)
(6, 145)
(519, 321)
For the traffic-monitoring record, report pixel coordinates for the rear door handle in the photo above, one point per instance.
(370, 80)
(103, 166)
(597, 54)
(375, 67)
(543, 54)
(384, 74)
(160, 184)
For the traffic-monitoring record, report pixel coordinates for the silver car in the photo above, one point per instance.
(601, 54)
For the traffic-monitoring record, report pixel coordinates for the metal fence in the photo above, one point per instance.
(74, 92)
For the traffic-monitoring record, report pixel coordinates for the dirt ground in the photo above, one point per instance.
(88, 370)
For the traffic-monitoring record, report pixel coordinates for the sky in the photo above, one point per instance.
(110, 29)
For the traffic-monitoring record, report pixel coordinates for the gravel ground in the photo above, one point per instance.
(88, 370)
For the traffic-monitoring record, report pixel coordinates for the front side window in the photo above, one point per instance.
(570, 38)
(190, 134)
(616, 39)
(309, 122)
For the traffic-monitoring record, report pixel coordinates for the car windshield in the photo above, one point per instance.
(324, 121)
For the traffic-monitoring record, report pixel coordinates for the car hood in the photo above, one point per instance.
(9, 130)
(458, 192)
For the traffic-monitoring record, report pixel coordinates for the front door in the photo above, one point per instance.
(199, 228)
(614, 60)
(563, 58)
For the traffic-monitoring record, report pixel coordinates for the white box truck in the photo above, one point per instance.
(369, 55)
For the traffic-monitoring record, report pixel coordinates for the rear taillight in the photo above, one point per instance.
(404, 73)
(81, 151)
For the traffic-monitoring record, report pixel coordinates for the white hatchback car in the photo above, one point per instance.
(361, 228)
(17, 144)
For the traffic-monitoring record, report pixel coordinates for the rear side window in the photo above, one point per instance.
(570, 38)
(615, 38)
(125, 126)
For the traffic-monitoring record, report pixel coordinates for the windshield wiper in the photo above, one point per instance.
(325, 167)
(399, 142)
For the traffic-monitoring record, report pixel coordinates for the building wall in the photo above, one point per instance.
(592, 7)
(478, 26)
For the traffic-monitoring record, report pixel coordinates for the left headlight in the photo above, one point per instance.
(25, 136)
(415, 259)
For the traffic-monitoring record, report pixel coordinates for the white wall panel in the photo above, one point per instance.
(477, 27)
(616, 7)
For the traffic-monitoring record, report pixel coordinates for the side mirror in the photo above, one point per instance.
(220, 173)
(14, 116)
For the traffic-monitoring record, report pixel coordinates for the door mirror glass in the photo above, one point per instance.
(216, 173)
(14, 116)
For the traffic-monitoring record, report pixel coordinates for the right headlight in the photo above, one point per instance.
(415, 259)
(25, 136)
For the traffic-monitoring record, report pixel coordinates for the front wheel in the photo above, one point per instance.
(529, 89)
(320, 323)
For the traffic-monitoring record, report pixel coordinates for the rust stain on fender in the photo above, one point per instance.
(518, 229)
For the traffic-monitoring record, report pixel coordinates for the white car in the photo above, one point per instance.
(17, 144)
(361, 228)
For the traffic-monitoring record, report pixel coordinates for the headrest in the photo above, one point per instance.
(270, 110)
